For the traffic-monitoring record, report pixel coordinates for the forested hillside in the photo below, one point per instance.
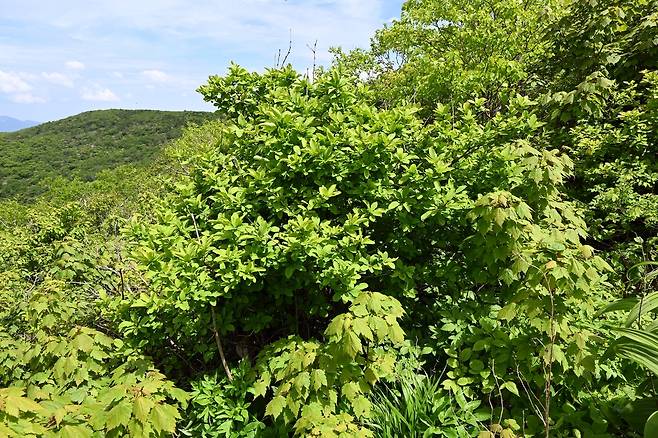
(453, 233)
(85, 144)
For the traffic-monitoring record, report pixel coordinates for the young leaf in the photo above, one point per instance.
(163, 418)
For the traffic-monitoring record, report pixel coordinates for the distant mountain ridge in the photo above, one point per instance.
(10, 124)
(83, 145)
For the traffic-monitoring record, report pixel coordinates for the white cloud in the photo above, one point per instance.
(26, 98)
(128, 46)
(156, 76)
(58, 79)
(12, 83)
(17, 89)
(75, 65)
(99, 94)
(237, 29)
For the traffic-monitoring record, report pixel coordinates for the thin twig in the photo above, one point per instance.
(537, 408)
(500, 393)
(123, 282)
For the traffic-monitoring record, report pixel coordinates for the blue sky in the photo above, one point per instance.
(59, 58)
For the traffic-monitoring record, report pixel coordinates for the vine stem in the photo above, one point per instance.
(218, 340)
(549, 373)
(500, 393)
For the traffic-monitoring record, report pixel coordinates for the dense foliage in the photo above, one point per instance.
(84, 145)
(450, 234)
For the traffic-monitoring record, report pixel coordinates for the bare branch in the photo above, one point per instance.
(314, 50)
(285, 58)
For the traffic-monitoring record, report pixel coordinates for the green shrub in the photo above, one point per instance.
(77, 382)
(219, 407)
(311, 222)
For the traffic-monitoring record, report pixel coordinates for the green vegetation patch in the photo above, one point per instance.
(83, 145)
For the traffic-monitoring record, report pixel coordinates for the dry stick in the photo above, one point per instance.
(219, 344)
(218, 340)
(196, 228)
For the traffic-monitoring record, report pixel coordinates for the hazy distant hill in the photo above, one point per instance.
(85, 144)
(9, 124)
